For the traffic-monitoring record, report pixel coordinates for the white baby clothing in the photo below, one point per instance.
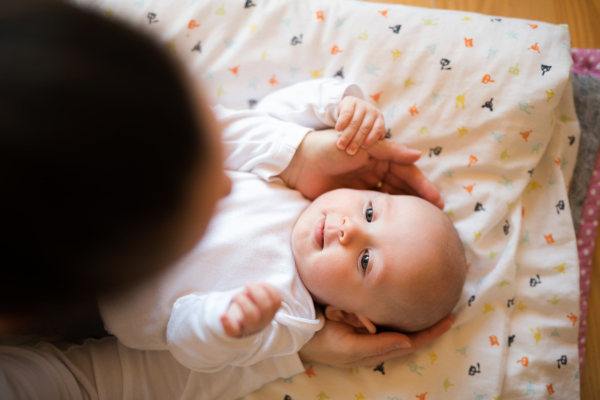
(255, 144)
(248, 239)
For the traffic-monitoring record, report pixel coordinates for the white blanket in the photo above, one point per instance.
(489, 103)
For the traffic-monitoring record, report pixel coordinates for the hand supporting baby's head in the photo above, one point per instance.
(376, 259)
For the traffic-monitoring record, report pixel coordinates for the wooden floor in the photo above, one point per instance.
(583, 18)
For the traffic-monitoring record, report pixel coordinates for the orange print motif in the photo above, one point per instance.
(193, 24)
(557, 161)
(421, 396)
(309, 371)
(273, 81)
(384, 13)
(524, 361)
(532, 25)
(534, 47)
(494, 341)
(573, 318)
(525, 134)
(320, 15)
(469, 188)
(550, 389)
(468, 42)
(234, 70)
(487, 79)
(549, 239)
(336, 50)
(472, 160)
(375, 97)
(413, 110)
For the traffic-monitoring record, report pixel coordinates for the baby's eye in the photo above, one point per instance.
(369, 214)
(364, 261)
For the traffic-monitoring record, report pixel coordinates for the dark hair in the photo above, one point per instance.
(98, 141)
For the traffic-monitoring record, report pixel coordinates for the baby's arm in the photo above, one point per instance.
(264, 140)
(328, 103)
(198, 339)
(251, 310)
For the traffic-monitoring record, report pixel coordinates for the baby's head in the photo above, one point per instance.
(374, 259)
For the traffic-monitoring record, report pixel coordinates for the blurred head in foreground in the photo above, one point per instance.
(110, 162)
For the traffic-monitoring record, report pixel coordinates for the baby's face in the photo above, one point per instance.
(354, 249)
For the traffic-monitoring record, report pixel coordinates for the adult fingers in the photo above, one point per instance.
(393, 185)
(388, 347)
(369, 345)
(379, 347)
(388, 150)
(352, 128)
(414, 178)
(417, 340)
(424, 337)
(361, 134)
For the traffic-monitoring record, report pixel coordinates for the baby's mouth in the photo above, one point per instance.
(319, 233)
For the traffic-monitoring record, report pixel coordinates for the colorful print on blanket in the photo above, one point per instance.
(489, 103)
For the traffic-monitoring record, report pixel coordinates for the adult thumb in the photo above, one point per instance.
(388, 150)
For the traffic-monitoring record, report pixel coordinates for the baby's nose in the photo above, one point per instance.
(348, 231)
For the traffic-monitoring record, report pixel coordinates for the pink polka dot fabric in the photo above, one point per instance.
(586, 237)
(586, 62)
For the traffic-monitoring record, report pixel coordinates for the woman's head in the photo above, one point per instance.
(109, 160)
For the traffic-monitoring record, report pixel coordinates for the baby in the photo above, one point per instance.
(375, 261)
(378, 260)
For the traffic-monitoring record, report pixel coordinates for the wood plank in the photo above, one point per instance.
(416, 3)
(582, 16)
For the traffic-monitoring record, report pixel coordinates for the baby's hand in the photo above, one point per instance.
(361, 122)
(251, 310)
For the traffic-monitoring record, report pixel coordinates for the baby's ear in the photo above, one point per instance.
(358, 321)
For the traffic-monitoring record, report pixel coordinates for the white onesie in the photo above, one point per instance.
(248, 239)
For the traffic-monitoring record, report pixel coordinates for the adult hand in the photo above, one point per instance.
(339, 344)
(318, 166)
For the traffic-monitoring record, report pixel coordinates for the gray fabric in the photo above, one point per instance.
(586, 91)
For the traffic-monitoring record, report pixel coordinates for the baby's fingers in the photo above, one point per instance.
(266, 298)
(250, 311)
(377, 133)
(232, 321)
(362, 133)
(346, 111)
(351, 130)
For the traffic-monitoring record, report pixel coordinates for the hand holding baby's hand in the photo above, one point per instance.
(251, 310)
(362, 124)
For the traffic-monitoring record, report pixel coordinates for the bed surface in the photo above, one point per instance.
(238, 97)
(582, 16)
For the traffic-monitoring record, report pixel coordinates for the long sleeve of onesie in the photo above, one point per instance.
(196, 338)
(264, 140)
